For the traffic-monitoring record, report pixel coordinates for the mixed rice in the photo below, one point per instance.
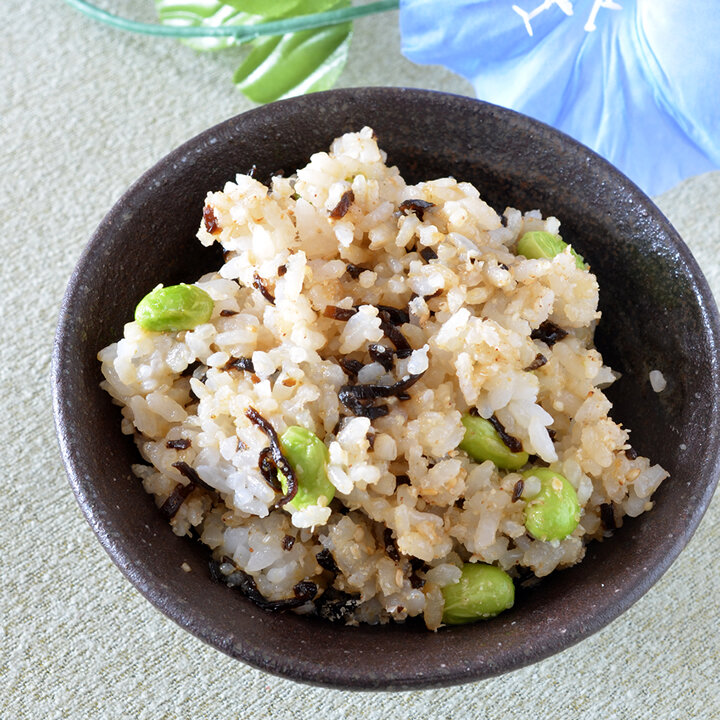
(343, 277)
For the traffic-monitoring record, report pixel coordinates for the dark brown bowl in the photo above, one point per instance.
(657, 309)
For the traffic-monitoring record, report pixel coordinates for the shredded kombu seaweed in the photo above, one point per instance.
(396, 316)
(191, 368)
(341, 209)
(512, 443)
(428, 254)
(417, 565)
(303, 592)
(287, 542)
(517, 490)
(176, 498)
(538, 362)
(364, 409)
(240, 363)
(211, 222)
(191, 474)
(371, 392)
(391, 549)
(181, 492)
(381, 354)
(354, 271)
(180, 444)
(268, 469)
(358, 398)
(337, 313)
(549, 333)
(335, 605)
(228, 313)
(326, 561)
(276, 456)
(390, 318)
(607, 516)
(403, 348)
(261, 286)
(351, 367)
(416, 206)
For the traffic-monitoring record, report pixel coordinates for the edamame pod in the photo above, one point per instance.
(540, 244)
(483, 442)
(483, 591)
(554, 512)
(173, 308)
(308, 455)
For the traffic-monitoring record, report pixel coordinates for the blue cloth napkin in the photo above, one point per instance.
(638, 81)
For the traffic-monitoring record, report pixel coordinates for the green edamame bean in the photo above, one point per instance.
(483, 442)
(540, 244)
(177, 307)
(554, 512)
(482, 592)
(308, 455)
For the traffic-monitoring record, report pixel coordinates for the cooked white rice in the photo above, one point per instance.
(410, 507)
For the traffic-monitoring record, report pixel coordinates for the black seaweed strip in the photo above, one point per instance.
(607, 516)
(538, 362)
(268, 469)
(416, 206)
(326, 561)
(191, 368)
(336, 313)
(340, 210)
(335, 606)
(211, 222)
(390, 547)
(304, 591)
(397, 316)
(354, 271)
(402, 346)
(176, 498)
(240, 363)
(512, 443)
(180, 444)
(381, 354)
(279, 459)
(360, 409)
(549, 333)
(351, 367)
(260, 285)
(517, 490)
(370, 392)
(191, 474)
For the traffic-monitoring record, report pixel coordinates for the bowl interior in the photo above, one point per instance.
(657, 313)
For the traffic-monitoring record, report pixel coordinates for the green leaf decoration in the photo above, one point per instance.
(206, 13)
(278, 66)
(269, 8)
(296, 63)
